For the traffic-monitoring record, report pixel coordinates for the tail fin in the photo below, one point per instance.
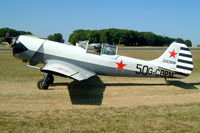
(177, 58)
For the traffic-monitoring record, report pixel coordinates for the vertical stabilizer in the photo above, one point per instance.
(177, 58)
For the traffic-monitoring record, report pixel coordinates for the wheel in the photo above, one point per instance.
(42, 85)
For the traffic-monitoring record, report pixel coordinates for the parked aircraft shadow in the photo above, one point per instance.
(176, 83)
(91, 91)
(184, 85)
(87, 92)
(132, 84)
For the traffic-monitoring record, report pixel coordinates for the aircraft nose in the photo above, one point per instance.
(18, 47)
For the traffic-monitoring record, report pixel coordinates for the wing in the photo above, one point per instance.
(67, 69)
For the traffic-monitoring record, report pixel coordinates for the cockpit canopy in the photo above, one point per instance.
(83, 44)
(108, 49)
(103, 49)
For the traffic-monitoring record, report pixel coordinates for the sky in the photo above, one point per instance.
(172, 18)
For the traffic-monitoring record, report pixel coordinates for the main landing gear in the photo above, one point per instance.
(44, 83)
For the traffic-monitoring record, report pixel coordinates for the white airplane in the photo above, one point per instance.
(76, 63)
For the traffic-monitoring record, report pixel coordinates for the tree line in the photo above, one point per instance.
(14, 33)
(110, 36)
(124, 37)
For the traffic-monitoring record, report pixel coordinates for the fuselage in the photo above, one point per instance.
(40, 50)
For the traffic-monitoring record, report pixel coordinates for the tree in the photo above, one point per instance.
(93, 36)
(2, 39)
(13, 32)
(78, 35)
(149, 38)
(179, 40)
(122, 36)
(188, 43)
(57, 37)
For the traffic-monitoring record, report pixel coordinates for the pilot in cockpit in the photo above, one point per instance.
(98, 48)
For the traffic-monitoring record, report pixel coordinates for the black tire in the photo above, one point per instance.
(42, 85)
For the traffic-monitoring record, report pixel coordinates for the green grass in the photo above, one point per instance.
(12, 68)
(126, 104)
(168, 118)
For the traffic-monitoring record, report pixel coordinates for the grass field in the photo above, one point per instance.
(104, 104)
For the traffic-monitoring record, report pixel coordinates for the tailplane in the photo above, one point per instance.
(177, 58)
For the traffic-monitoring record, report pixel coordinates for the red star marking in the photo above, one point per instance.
(62, 69)
(120, 65)
(173, 54)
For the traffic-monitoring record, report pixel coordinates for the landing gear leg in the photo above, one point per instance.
(44, 83)
(166, 81)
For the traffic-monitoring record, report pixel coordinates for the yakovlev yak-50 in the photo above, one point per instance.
(76, 63)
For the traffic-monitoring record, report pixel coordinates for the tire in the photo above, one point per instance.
(42, 85)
